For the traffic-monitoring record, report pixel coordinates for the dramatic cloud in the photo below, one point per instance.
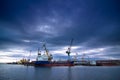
(26, 24)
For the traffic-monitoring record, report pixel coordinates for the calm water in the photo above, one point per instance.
(20, 72)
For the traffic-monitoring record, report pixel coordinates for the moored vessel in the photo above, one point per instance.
(46, 60)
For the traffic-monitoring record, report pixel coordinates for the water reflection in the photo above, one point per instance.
(61, 73)
(20, 72)
(69, 73)
(40, 73)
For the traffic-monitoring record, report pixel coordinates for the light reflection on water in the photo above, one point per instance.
(20, 72)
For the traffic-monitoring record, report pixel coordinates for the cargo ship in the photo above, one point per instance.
(46, 59)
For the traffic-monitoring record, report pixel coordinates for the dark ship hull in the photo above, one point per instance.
(108, 62)
(53, 63)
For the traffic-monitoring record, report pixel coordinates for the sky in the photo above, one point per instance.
(27, 24)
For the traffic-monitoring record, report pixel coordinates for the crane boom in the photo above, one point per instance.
(69, 48)
(70, 45)
(45, 49)
(48, 55)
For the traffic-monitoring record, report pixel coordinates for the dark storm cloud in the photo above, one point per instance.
(92, 23)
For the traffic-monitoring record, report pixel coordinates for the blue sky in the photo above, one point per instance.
(26, 24)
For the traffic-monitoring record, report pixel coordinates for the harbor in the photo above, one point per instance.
(46, 60)
(59, 39)
(73, 63)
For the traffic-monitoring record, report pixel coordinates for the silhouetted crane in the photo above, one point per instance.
(69, 48)
(48, 55)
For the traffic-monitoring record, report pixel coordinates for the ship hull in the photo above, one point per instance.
(108, 62)
(54, 63)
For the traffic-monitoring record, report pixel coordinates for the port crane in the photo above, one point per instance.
(75, 57)
(48, 55)
(29, 56)
(39, 52)
(69, 48)
(83, 57)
